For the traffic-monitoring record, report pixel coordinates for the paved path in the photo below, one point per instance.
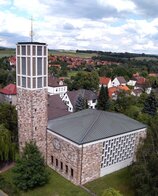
(6, 168)
(2, 193)
(89, 191)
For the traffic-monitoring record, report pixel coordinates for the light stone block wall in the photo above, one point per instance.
(64, 152)
(91, 161)
(32, 117)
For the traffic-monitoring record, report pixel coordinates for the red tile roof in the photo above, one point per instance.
(125, 88)
(104, 80)
(112, 90)
(10, 89)
(140, 80)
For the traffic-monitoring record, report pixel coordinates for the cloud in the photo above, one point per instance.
(147, 8)
(119, 5)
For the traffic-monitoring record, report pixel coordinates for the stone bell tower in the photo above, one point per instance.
(32, 82)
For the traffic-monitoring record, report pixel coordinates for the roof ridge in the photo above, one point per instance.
(88, 129)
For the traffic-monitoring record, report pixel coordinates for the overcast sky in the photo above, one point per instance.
(107, 25)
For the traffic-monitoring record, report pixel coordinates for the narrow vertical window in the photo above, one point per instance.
(23, 81)
(52, 160)
(18, 50)
(61, 165)
(28, 50)
(34, 66)
(28, 83)
(72, 172)
(39, 82)
(18, 62)
(39, 50)
(66, 169)
(39, 66)
(23, 66)
(44, 50)
(34, 50)
(56, 162)
(28, 66)
(23, 50)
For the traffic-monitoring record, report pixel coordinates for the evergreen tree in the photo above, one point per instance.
(103, 99)
(80, 103)
(30, 170)
(150, 105)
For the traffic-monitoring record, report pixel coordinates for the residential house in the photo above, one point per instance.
(119, 81)
(56, 86)
(71, 97)
(106, 82)
(137, 92)
(8, 94)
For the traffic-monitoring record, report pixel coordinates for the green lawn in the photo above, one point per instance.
(119, 180)
(72, 54)
(7, 52)
(57, 186)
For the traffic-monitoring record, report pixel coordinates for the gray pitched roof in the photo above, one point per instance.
(91, 125)
(86, 94)
(54, 82)
(56, 107)
(121, 79)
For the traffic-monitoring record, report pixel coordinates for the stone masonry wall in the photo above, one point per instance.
(32, 117)
(140, 136)
(91, 162)
(62, 152)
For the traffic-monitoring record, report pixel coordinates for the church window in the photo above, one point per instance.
(18, 50)
(45, 62)
(28, 66)
(23, 50)
(61, 165)
(39, 50)
(66, 170)
(23, 66)
(72, 172)
(34, 66)
(56, 162)
(18, 62)
(34, 50)
(39, 82)
(28, 82)
(39, 66)
(52, 160)
(23, 81)
(28, 50)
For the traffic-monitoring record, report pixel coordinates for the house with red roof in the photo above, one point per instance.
(106, 82)
(8, 94)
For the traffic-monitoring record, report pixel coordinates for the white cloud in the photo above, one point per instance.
(119, 5)
(4, 2)
(34, 7)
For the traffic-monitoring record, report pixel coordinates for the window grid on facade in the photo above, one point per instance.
(31, 66)
(118, 149)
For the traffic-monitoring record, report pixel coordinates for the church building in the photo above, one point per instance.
(82, 146)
